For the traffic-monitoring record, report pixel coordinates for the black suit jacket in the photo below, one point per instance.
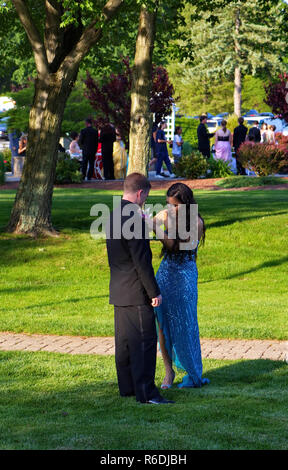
(88, 140)
(107, 140)
(132, 280)
(203, 137)
(239, 136)
(255, 133)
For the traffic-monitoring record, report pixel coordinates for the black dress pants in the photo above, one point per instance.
(88, 158)
(240, 169)
(135, 351)
(108, 164)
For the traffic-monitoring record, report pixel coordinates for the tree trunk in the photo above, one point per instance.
(141, 116)
(237, 71)
(237, 92)
(32, 208)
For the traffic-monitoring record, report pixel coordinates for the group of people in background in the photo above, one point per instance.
(84, 146)
(224, 140)
(268, 134)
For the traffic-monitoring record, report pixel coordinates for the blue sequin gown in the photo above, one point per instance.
(177, 315)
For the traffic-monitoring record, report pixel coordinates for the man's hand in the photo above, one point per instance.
(157, 301)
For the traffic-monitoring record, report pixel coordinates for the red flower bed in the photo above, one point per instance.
(264, 159)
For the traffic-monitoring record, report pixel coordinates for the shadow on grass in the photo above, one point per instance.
(245, 372)
(84, 409)
(267, 264)
(58, 302)
(71, 208)
(223, 223)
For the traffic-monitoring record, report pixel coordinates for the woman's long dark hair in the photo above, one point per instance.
(184, 195)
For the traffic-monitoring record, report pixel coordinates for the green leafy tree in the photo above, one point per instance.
(60, 34)
(246, 38)
(196, 98)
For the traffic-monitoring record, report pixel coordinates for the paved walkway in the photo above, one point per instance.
(211, 348)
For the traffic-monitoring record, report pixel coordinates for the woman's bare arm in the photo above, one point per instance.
(162, 219)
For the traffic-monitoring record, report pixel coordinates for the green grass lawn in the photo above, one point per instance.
(54, 401)
(60, 286)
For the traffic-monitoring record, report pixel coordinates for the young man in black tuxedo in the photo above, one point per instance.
(239, 136)
(88, 141)
(133, 292)
(204, 137)
(254, 134)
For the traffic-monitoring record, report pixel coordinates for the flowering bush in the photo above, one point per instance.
(191, 166)
(282, 141)
(6, 154)
(263, 159)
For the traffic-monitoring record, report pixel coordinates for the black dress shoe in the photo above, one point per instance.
(159, 401)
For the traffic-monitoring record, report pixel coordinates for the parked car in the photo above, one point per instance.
(221, 115)
(251, 113)
(267, 115)
(3, 128)
(212, 124)
(209, 116)
(250, 120)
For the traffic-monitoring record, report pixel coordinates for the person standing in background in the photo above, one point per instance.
(22, 146)
(107, 139)
(162, 151)
(203, 137)
(254, 134)
(239, 136)
(88, 142)
(264, 133)
(13, 145)
(223, 142)
(177, 145)
(271, 134)
(119, 157)
(74, 149)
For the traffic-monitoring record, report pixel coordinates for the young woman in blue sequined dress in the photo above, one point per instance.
(177, 316)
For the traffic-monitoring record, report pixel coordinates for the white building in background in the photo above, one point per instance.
(170, 119)
(171, 124)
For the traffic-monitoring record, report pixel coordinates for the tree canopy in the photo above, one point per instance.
(258, 48)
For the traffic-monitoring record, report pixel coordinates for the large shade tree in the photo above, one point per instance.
(60, 33)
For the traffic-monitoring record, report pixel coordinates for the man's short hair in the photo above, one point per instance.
(135, 182)
(203, 117)
(256, 122)
(88, 121)
(241, 120)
